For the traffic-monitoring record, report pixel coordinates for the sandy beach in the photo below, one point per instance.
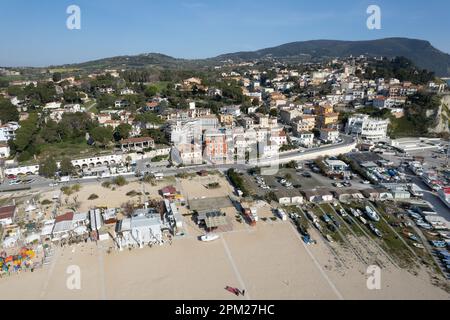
(269, 261)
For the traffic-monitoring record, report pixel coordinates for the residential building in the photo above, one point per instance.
(226, 119)
(287, 116)
(367, 128)
(119, 104)
(4, 150)
(126, 91)
(8, 131)
(216, 146)
(305, 138)
(305, 123)
(329, 135)
(187, 154)
(327, 120)
(137, 144)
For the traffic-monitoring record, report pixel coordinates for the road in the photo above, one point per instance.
(43, 184)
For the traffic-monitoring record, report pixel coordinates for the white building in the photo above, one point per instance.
(52, 105)
(185, 132)
(4, 150)
(22, 170)
(367, 128)
(329, 135)
(8, 131)
(99, 161)
(143, 228)
(187, 154)
(305, 139)
(126, 91)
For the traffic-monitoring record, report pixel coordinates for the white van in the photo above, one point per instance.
(282, 214)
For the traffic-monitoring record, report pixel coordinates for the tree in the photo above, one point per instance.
(102, 135)
(71, 96)
(4, 83)
(8, 112)
(158, 135)
(75, 125)
(66, 167)
(151, 91)
(57, 77)
(26, 133)
(122, 131)
(49, 132)
(273, 112)
(48, 167)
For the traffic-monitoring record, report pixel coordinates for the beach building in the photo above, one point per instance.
(212, 219)
(7, 215)
(63, 226)
(143, 228)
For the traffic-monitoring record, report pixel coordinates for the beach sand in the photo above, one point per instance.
(269, 261)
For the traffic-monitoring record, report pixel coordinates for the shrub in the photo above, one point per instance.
(159, 158)
(67, 190)
(148, 179)
(120, 181)
(213, 185)
(106, 184)
(46, 202)
(133, 193)
(93, 197)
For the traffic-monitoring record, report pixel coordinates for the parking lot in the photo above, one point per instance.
(303, 179)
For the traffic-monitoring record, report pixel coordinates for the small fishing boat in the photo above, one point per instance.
(372, 214)
(209, 237)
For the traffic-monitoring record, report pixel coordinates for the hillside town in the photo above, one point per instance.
(129, 159)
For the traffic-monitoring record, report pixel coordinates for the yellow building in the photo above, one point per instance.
(226, 119)
(306, 123)
(327, 120)
(324, 109)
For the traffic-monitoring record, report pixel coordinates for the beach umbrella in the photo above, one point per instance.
(30, 253)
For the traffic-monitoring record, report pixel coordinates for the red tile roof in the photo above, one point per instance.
(137, 140)
(65, 217)
(7, 212)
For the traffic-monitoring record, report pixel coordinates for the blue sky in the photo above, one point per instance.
(34, 33)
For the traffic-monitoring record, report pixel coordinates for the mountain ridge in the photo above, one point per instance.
(421, 52)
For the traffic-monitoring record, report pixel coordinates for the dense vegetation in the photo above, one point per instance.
(416, 122)
(237, 181)
(399, 68)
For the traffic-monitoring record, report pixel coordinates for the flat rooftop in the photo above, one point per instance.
(210, 203)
